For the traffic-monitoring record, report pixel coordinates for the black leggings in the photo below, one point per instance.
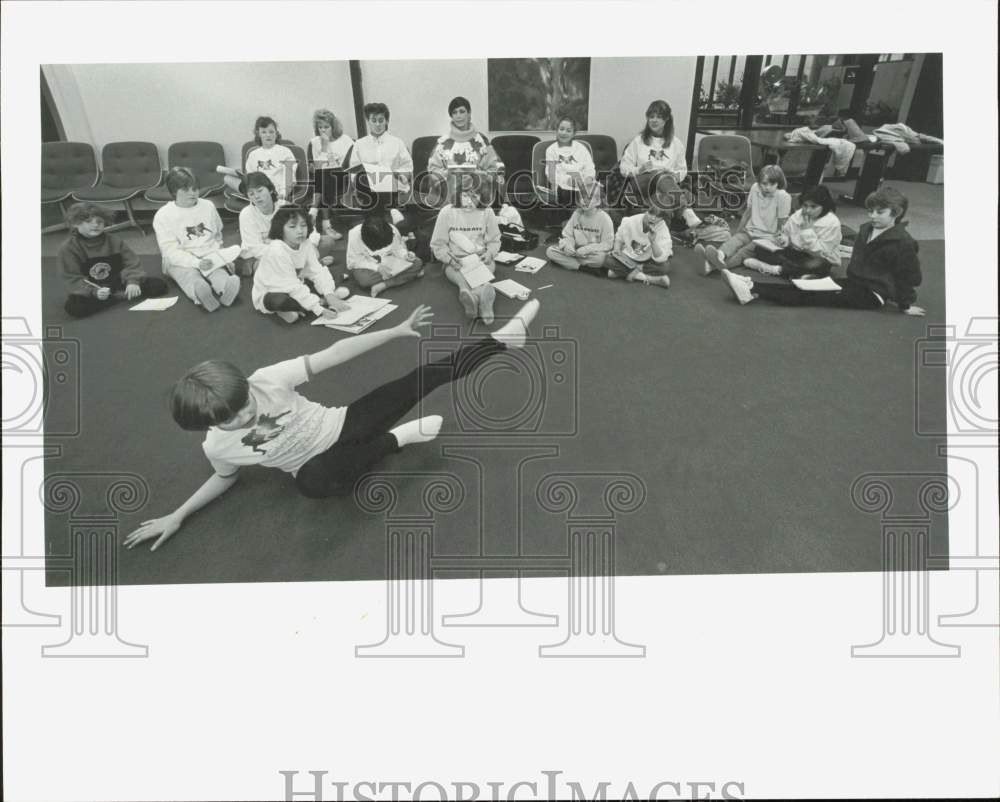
(283, 302)
(365, 439)
(795, 263)
(851, 296)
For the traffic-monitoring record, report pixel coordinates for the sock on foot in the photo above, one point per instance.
(514, 332)
(421, 430)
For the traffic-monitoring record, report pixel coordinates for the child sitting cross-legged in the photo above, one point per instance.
(290, 261)
(588, 236)
(377, 257)
(768, 207)
(262, 419)
(809, 241)
(189, 235)
(466, 235)
(883, 267)
(643, 245)
(99, 267)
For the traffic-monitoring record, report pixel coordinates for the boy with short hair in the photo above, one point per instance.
(883, 267)
(98, 266)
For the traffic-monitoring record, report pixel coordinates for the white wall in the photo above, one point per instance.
(418, 92)
(165, 103)
(622, 88)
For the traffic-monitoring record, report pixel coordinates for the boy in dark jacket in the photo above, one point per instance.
(884, 266)
(99, 267)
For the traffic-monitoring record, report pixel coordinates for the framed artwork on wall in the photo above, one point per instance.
(530, 94)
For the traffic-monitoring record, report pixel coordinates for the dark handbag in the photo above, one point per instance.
(517, 238)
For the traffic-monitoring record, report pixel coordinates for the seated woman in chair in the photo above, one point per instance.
(382, 162)
(655, 152)
(462, 147)
(328, 150)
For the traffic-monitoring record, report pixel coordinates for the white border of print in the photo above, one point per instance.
(747, 678)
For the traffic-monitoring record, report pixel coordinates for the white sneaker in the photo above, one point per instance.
(740, 285)
(230, 290)
(288, 317)
(762, 267)
(714, 260)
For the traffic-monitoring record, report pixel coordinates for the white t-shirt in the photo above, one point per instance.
(186, 235)
(657, 155)
(255, 226)
(289, 430)
(335, 156)
(766, 211)
(572, 163)
(277, 163)
(638, 244)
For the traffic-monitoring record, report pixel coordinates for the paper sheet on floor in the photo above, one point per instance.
(817, 284)
(153, 305)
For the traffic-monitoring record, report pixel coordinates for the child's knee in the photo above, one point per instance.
(593, 260)
(367, 278)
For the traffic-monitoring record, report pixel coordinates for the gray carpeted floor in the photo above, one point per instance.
(743, 428)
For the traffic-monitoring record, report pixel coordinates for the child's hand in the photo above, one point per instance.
(420, 318)
(329, 314)
(915, 311)
(132, 291)
(333, 302)
(103, 293)
(410, 256)
(161, 528)
(783, 240)
(205, 264)
(327, 260)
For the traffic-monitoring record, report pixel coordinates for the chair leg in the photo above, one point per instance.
(60, 226)
(131, 216)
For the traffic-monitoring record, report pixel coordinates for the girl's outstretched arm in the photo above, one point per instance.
(163, 528)
(345, 350)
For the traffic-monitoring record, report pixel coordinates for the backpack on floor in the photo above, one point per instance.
(517, 238)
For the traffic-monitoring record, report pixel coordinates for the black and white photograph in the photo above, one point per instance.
(371, 355)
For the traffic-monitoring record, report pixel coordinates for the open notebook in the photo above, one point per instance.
(360, 306)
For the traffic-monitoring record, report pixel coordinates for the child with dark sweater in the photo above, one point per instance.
(884, 266)
(99, 267)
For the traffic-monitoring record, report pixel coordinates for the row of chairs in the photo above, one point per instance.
(69, 169)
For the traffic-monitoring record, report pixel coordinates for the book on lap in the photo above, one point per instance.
(394, 264)
(475, 272)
